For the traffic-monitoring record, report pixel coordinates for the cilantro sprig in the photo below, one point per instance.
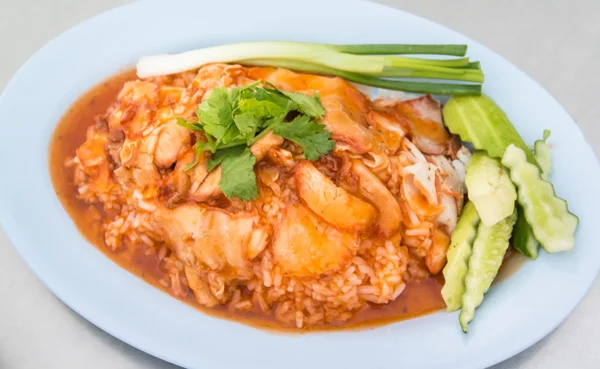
(232, 120)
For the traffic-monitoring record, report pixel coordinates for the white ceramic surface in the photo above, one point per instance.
(121, 304)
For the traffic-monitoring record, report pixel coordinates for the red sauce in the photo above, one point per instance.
(418, 298)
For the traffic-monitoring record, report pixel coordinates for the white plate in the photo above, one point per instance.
(515, 314)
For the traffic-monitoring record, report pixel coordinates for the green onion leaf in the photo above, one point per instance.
(385, 49)
(357, 63)
(418, 87)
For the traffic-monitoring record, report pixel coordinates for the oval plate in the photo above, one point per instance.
(511, 318)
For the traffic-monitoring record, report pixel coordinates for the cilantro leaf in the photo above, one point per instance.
(275, 96)
(220, 155)
(239, 93)
(311, 136)
(232, 134)
(255, 113)
(190, 166)
(215, 113)
(247, 123)
(192, 126)
(233, 119)
(201, 147)
(260, 108)
(209, 145)
(237, 174)
(309, 105)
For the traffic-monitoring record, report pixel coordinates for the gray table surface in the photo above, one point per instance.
(557, 42)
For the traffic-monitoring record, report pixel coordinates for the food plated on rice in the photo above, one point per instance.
(283, 185)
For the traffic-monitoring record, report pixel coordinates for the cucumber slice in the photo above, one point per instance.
(477, 119)
(523, 239)
(489, 248)
(542, 155)
(490, 189)
(547, 214)
(458, 257)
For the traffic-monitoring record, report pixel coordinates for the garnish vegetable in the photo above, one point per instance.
(547, 214)
(542, 155)
(371, 64)
(480, 121)
(458, 257)
(541, 217)
(231, 121)
(523, 239)
(489, 248)
(477, 119)
(490, 189)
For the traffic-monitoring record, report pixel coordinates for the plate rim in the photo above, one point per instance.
(11, 232)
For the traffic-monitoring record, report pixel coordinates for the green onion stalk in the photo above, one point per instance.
(374, 65)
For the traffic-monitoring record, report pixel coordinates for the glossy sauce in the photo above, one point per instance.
(418, 298)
